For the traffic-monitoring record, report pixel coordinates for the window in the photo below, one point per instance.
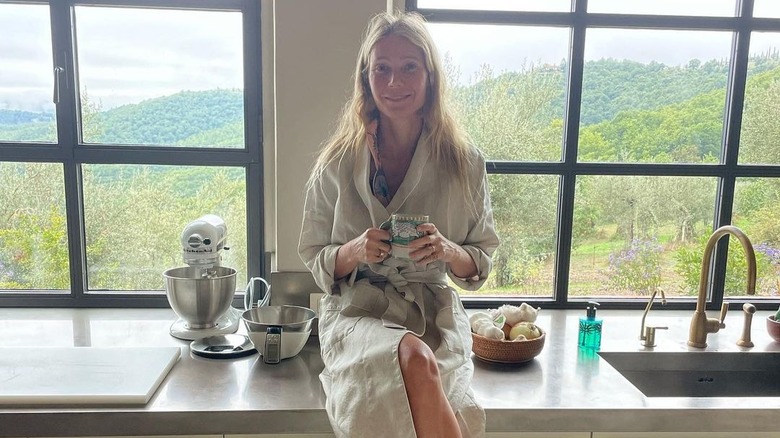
(120, 122)
(618, 136)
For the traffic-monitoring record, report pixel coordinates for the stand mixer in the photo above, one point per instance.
(201, 293)
(202, 242)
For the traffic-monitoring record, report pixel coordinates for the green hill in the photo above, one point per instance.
(610, 86)
(36, 131)
(686, 131)
(618, 96)
(171, 119)
(187, 118)
(16, 117)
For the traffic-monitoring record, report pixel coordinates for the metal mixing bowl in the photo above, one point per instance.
(199, 300)
(290, 318)
(294, 321)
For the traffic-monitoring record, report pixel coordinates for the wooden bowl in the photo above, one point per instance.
(504, 351)
(773, 328)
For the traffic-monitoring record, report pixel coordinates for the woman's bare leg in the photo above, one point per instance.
(431, 412)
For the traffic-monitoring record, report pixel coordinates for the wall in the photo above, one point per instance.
(309, 53)
(316, 44)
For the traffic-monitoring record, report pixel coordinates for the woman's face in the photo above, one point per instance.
(398, 77)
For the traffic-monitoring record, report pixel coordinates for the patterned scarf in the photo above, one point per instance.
(378, 182)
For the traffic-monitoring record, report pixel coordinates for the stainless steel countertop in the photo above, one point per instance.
(561, 390)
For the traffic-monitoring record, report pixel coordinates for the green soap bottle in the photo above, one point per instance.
(590, 328)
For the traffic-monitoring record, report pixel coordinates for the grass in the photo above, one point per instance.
(588, 272)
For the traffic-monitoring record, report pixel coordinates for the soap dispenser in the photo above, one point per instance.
(590, 328)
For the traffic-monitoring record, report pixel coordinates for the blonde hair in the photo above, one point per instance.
(450, 144)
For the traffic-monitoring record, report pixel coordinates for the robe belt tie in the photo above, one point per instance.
(399, 274)
(398, 278)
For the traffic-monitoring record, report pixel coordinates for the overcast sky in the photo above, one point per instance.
(505, 48)
(128, 55)
(125, 55)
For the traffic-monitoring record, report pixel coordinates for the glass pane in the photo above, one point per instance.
(510, 92)
(525, 212)
(756, 213)
(712, 8)
(632, 234)
(760, 138)
(33, 227)
(27, 113)
(134, 216)
(498, 5)
(766, 8)
(179, 82)
(653, 96)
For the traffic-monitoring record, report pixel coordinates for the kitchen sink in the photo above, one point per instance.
(699, 374)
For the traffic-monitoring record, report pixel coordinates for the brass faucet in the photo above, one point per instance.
(700, 324)
(644, 335)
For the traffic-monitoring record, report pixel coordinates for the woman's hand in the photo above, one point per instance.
(370, 247)
(434, 246)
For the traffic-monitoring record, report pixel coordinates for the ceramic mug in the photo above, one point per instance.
(403, 229)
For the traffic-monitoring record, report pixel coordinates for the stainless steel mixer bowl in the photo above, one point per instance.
(198, 300)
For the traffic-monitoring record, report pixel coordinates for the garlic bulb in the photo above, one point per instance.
(515, 314)
(490, 331)
(476, 317)
(512, 313)
(528, 313)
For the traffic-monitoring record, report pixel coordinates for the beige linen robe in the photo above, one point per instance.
(364, 316)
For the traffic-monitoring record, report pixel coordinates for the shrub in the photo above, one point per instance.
(637, 268)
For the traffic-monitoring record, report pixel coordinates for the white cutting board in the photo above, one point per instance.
(83, 375)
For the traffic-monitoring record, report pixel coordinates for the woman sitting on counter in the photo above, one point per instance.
(394, 336)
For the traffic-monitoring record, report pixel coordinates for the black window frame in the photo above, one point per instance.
(71, 152)
(727, 171)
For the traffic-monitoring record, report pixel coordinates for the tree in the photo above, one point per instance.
(33, 233)
(508, 117)
(760, 130)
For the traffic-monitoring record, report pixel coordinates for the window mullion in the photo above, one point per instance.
(62, 49)
(735, 101)
(67, 134)
(570, 141)
(253, 135)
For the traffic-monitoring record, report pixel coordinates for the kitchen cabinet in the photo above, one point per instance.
(488, 435)
(510, 435)
(538, 435)
(159, 436)
(685, 435)
(295, 435)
